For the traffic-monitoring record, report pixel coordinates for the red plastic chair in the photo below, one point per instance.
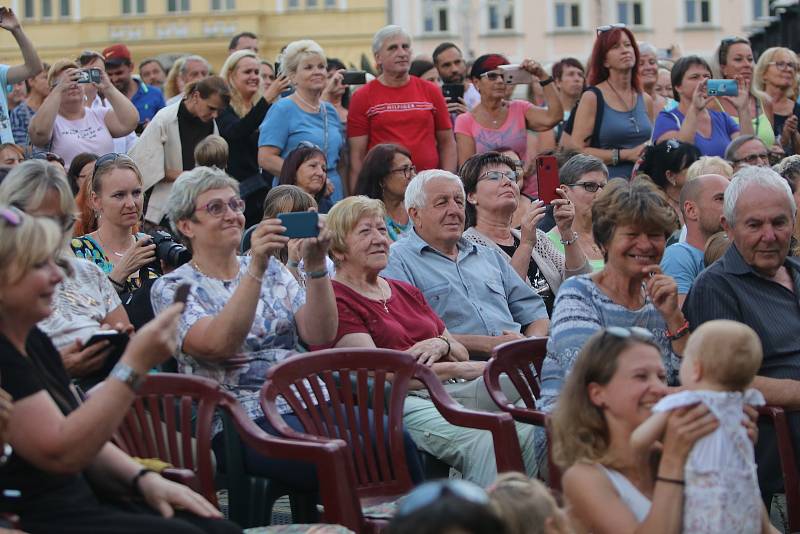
(357, 380)
(185, 406)
(791, 480)
(515, 359)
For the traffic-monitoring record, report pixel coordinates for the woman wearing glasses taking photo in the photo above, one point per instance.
(490, 183)
(617, 98)
(776, 75)
(497, 122)
(385, 174)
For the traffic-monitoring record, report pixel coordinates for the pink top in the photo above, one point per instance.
(513, 133)
(89, 134)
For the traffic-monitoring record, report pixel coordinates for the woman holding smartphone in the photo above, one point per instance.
(497, 122)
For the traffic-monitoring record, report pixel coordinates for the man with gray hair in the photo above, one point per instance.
(758, 284)
(747, 150)
(701, 205)
(194, 68)
(399, 108)
(474, 290)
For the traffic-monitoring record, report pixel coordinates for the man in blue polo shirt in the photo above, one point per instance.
(148, 100)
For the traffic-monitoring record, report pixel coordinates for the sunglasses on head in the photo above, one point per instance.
(48, 156)
(609, 27)
(107, 159)
(671, 145)
(634, 332)
(430, 492)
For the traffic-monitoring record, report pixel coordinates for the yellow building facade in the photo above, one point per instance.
(64, 28)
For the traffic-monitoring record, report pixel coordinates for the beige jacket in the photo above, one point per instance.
(158, 149)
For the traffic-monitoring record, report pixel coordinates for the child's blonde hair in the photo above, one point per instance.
(716, 246)
(212, 152)
(524, 504)
(709, 165)
(729, 352)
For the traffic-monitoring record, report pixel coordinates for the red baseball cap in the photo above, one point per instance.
(117, 54)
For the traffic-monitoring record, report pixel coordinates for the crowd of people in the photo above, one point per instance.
(661, 267)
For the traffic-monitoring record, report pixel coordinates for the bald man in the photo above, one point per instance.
(701, 204)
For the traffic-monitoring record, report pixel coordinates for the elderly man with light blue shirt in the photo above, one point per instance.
(475, 291)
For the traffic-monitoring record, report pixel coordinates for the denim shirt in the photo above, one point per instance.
(478, 293)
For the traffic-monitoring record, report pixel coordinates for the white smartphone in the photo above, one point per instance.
(515, 75)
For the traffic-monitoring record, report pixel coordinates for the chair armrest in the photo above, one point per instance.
(332, 459)
(506, 443)
(186, 477)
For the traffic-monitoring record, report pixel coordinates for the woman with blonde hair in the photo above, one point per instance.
(174, 84)
(304, 116)
(239, 123)
(776, 76)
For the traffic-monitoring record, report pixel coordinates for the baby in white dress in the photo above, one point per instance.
(721, 486)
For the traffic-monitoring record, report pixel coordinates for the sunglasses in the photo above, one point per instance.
(48, 156)
(496, 176)
(589, 187)
(634, 332)
(308, 144)
(217, 207)
(492, 76)
(672, 144)
(609, 27)
(430, 492)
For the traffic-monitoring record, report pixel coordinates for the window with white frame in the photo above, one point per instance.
(761, 9)
(436, 16)
(47, 9)
(177, 6)
(293, 4)
(630, 13)
(500, 15)
(312, 3)
(567, 15)
(697, 12)
(223, 5)
(133, 7)
(331, 3)
(63, 8)
(29, 9)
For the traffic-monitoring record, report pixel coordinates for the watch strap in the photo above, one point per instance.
(127, 375)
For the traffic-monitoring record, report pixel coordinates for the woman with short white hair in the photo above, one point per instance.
(303, 117)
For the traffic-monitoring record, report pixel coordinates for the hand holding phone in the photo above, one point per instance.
(515, 75)
(354, 77)
(547, 178)
(722, 88)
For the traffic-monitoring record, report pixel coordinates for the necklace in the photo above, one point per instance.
(631, 116)
(384, 298)
(307, 103)
(495, 122)
(106, 247)
(199, 270)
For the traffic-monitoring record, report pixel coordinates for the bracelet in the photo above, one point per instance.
(443, 338)
(317, 274)
(568, 242)
(251, 275)
(614, 156)
(548, 81)
(117, 285)
(679, 333)
(135, 482)
(677, 481)
(293, 264)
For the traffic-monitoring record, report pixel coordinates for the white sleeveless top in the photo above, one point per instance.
(636, 502)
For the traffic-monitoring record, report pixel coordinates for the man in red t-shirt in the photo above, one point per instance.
(399, 108)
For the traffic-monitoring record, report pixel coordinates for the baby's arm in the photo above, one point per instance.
(649, 432)
(766, 526)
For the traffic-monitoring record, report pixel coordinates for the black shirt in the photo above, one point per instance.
(241, 133)
(23, 376)
(192, 131)
(535, 277)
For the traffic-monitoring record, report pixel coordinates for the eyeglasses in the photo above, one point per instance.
(635, 332)
(589, 187)
(492, 76)
(496, 176)
(609, 27)
(11, 215)
(784, 65)
(216, 208)
(430, 492)
(752, 159)
(409, 171)
(107, 159)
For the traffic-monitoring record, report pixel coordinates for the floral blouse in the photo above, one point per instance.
(272, 338)
(88, 248)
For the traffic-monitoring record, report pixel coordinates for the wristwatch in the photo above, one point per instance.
(126, 375)
(548, 81)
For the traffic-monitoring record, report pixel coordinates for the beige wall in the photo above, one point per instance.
(345, 31)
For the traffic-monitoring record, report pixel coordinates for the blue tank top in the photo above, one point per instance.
(624, 129)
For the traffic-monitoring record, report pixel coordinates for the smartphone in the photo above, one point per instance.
(300, 223)
(515, 75)
(547, 178)
(354, 77)
(182, 293)
(118, 340)
(277, 68)
(453, 91)
(722, 88)
(89, 76)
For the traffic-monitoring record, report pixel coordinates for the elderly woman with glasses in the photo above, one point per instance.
(497, 122)
(385, 174)
(776, 75)
(68, 127)
(490, 184)
(84, 301)
(244, 313)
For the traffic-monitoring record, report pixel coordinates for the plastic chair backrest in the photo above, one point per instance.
(356, 381)
(518, 360)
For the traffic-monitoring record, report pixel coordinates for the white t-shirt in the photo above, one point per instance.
(89, 134)
(121, 144)
(80, 303)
